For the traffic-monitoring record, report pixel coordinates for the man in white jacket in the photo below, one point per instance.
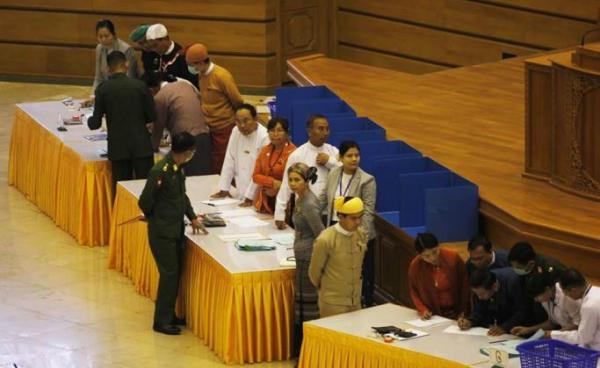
(247, 139)
(587, 335)
(316, 152)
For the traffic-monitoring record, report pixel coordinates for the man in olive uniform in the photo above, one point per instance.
(336, 262)
(164, 202)
(130, 113)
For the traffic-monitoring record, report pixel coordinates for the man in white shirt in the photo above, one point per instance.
(247, 139)
(587, 335)
(316, 153)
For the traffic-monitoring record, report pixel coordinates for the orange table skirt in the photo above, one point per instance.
(243, 318)
(322, 347)
(74, 193)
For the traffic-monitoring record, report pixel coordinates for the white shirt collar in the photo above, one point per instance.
(171, 48)
(343, 231)
(493, 258)
(313, 147)
(211, 66)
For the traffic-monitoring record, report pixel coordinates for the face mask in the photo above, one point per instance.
(521, 272)
(192, 70)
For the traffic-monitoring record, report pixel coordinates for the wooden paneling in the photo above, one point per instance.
(382, 60)
(424, 43)
(78, 62)
(79, 29)
(226, 9)
(538, 159)
(479, 19)
(584, 9)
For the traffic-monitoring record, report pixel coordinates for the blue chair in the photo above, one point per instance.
(286, 95)
(302, 110)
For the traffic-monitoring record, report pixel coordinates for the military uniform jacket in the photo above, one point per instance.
(128, 106)
(164, 201)
(336, 266)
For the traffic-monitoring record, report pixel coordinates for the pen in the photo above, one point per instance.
(495, 342)
(210, 204)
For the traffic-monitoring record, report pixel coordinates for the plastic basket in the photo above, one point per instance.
(556, 354)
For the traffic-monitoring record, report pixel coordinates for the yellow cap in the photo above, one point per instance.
(348, 207)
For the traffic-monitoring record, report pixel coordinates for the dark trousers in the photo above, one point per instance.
(368, 274)
(168, 254)
(201, 163)
(134, 168)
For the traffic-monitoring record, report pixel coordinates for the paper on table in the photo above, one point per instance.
(283, 239)
(285, 262)
(237, 212)
(221, 202)
(248, 221)
(233, 237)
(474, 331)
(435, 320)
(96, 137)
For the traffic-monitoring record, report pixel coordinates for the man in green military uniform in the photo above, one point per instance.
(130, 113)
(164, 203)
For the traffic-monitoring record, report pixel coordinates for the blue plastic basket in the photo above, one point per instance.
(556, 354)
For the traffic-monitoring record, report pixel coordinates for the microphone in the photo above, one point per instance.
(587, 33)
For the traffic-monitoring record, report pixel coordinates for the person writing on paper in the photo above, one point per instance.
(563, 312)
(499, 302)
(247, 139)
(164, 203)
(178, 110)
(130, 114)
(437, 280)
(483, 255)
(350, 180)
(306, 217)
(316, 152)
(337, 258)
(577, 288)
(270, 164)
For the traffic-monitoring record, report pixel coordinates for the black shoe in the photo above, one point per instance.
(179, 321)
(167, 329)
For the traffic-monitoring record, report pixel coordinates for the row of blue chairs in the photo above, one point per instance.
(414, 192)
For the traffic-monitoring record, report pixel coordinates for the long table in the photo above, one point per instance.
(343, 341)
(61, 172)
(239, 303)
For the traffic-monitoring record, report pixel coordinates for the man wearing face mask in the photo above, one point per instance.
(524, 261)
(164, 203)
(220, 99)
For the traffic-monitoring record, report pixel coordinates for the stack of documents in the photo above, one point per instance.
(252, 245)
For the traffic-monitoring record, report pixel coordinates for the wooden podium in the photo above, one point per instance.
(562, 137)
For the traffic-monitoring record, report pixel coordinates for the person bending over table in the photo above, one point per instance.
(437, 280)
(164, 203)
(563, 312)
(483, 255)
(316, 152)
(270, 164)
(337, 258)
(247, 139)
(577, 288)
(350, 180)
(499, 302)
(306, 217)
(178, 110)
(130, 115)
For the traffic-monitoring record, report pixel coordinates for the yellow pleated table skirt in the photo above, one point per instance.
(76, 194)
(323, 347)
(242, 317)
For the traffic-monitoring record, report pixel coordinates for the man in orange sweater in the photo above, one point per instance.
(220, 99)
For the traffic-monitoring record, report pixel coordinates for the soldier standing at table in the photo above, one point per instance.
(164, 202)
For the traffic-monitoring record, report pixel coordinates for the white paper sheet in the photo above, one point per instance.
(233, 237)
(282, 238)
(473, 331)
(221, 202)
(435, 320)
(96, 137)
(248, 221)
(237, 212)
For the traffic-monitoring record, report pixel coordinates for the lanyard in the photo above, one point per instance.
(164, 66)
(347, 186)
